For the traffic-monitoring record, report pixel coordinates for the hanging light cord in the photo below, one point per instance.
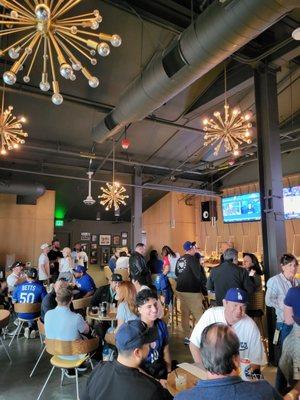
(225, 84)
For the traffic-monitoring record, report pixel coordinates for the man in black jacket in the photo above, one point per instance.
(138, 266)
(229, 275)
(105, 293)
(108, 292)
(191, 287)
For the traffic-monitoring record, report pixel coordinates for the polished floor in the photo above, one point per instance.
(15, 383)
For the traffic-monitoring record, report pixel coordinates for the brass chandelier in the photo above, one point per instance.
(11, 129)
(45, 31)
(229, 130)
(113, 195)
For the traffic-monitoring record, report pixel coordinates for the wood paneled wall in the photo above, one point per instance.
(23, 228)
(172, 210)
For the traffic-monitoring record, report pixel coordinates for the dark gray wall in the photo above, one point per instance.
(74, 229)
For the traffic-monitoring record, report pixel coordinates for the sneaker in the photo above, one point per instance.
(32, 334)
(186, 341)
(70, 373)
(27, 332)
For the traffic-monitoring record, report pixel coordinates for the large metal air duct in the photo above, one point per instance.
(222, 29)
(27, 193)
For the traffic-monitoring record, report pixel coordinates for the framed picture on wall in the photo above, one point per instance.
(124, 235)
(104, 240)
(85, 236)
(94, 246)
(116, 240)
(124, 242)
(85, 247)
(94, 238)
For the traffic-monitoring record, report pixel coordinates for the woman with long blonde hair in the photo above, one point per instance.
(66, 265)
(127, 310)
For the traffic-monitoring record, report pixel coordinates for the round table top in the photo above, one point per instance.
(4, 314)
(191, 381)
(111, 316)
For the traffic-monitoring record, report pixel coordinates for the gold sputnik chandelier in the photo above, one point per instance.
(11, 132)
(229, 130)
(42, 30)
(113, 195)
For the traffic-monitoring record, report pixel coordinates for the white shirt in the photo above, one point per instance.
(277, 288)
(65, 265)
(43, 260)
(11, 281)
(79, 256)
(122, 262)
(246, 330)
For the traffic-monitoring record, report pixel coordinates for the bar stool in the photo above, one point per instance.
(4, 321)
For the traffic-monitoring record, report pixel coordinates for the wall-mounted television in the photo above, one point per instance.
(241, 208)
(291, 202)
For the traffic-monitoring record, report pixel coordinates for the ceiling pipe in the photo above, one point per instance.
(222, 29)
(21, 188)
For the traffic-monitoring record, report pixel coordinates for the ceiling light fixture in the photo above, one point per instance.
(11, 128)
(229, 130)
(113, 195)
(296, 34)
(89, 201)
(125, 143)
(44, 32)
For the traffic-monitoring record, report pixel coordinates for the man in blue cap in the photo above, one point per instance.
(84, 281)
(233, 314)
(121, 379)
(191, 287)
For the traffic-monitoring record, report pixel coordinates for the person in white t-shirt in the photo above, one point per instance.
(66, 265)
(79, 256)
(44, 265)
(233, 314)
(17, 276)
(123, 261)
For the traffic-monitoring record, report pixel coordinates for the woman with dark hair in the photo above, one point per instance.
(158, 361)
(169, 259)
(154, 264)
(251, 264)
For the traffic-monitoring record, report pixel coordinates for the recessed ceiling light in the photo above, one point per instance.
(296, 34)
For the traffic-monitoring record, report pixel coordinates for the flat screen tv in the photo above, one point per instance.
(291, 202)
(241, 208)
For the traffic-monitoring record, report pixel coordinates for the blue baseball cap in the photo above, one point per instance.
(134, 334)
(237, 295)
(79, 268)
(188, 245)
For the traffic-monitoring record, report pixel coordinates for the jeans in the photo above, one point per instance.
(284, 331)
(280, 382)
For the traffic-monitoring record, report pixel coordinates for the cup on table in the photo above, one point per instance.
(180, 382)
(95, 310)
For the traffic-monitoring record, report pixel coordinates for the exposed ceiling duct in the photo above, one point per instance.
(222, 29)
(27, 193)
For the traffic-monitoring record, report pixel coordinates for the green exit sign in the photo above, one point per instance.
(59, 222)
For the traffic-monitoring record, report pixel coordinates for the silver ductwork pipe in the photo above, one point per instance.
(222, 29)
(22, 188)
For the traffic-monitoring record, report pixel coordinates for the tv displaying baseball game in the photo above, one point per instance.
(241, 208)
(291, 202)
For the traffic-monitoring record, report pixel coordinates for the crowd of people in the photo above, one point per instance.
(221, 334)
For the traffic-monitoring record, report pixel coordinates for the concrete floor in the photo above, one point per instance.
(15, 383)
